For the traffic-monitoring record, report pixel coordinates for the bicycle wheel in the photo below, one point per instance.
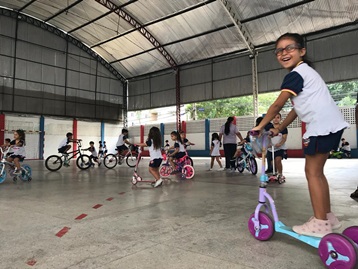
(53, 163)
(110, 161)
(131, 159)
(2, 173)
(188, 171)
(240, 164)
(253, 165)
(189, 161)
(83, 162)
(165, 170)
(26, 173)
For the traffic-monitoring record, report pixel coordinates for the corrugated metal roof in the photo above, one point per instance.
(143, 36)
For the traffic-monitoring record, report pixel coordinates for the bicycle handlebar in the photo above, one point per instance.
(5, 151)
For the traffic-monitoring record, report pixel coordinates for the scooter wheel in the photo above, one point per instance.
(338, 251)
(266, 228)
(352, 233)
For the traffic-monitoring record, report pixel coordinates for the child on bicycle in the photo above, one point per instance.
(94, 155)
(122, 141)
(154, 143)
(17, 152)
(241, 149)
(179, 150)
(64, 146)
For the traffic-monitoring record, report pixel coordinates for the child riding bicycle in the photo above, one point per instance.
(17, 152)
(121, 143)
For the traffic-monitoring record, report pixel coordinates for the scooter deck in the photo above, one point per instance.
(310, 240)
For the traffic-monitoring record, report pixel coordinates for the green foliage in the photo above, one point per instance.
(344, 93)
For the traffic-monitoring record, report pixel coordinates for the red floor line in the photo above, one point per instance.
(82, 216)
(121, 193)
(97, 206)
(110, 199)
(31, 262)
(63, 231)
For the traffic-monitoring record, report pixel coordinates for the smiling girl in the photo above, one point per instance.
(313, 104)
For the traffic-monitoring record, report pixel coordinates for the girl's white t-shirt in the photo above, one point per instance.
(216, 148)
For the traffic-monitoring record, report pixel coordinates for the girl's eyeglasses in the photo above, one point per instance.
(288, 48)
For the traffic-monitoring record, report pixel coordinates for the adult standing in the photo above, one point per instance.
(229, 132)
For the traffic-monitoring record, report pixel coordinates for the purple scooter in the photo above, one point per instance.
(335, 250)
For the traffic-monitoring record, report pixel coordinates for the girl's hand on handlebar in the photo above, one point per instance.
(274, 132)
(256, 131)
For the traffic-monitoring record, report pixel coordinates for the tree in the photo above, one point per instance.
(344, 93)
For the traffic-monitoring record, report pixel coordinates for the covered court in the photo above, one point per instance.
(81, 66)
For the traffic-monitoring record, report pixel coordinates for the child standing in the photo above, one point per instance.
(185, 141)
(179, 150)
(17, 153)
(105, 151)
(278, 142)
(154, 143)
(324, 127)
(215, 151)
(100, 150)
(6, 145)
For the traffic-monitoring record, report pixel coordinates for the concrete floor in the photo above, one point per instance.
(200, 223)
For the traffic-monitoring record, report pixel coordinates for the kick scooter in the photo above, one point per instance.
(136, 177)
(335, 250)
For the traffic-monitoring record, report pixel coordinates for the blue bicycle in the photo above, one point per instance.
(25, 174)
(246, 160)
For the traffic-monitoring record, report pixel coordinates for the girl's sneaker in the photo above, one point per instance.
(335, 223)
(158, 183)
(17, 172)
(314, 227)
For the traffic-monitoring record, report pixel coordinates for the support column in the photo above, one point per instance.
(177, 94)
(142, 133)
(207, 134)
(255, 86)
(102, 131)
(42, 138)
(2, 128)
(162, 133)
(183, 126)
(74, 131)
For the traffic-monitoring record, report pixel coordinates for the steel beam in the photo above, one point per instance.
(245, 36)
(139, 27)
